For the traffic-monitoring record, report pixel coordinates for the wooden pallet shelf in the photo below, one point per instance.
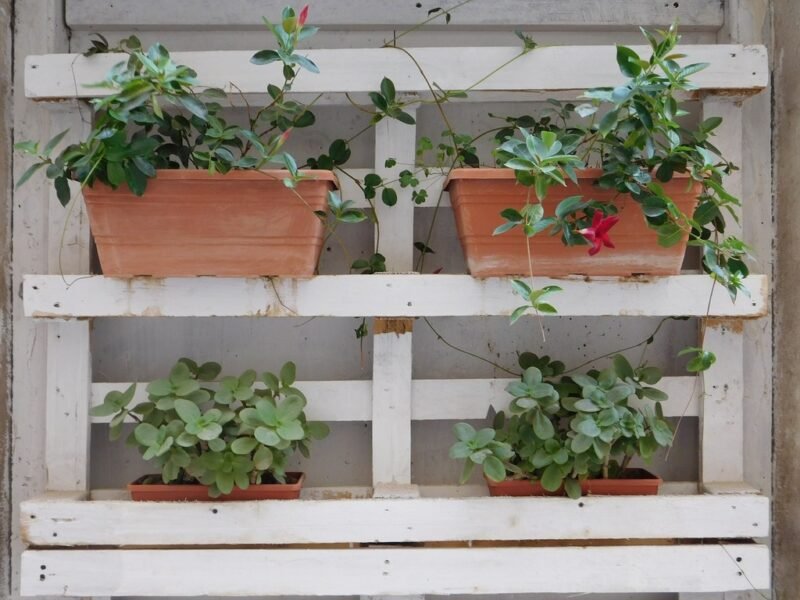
(387, 295)
(68, 520)
(519, 545)
(392, 571)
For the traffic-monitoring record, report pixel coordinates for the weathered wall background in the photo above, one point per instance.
(127, 350)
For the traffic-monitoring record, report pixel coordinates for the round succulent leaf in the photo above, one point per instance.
(244, 445)
(587, 426)
(541, 459)
(483, 437)
(317, 430)
(291, 430)
(224, 482)
(494, 468)
(165, 403)
(552, 478)
(247, 379)
(290, 408)
(464, 432)
(561, 457)
(209, 431)
(523, 404)
(267, 436)
(573, 488)
(480, 455)
(622, 367)
(271, 381)
(619, 392)
(106, 409)
(267, 412)
(532, 376)
(607, 379)
(542, 426)
(159, 388)
(186, 440)
(460, 450)
(146, 434)
(187, 410)
(217, 444)
(584, 380)
(180, 373)
(165, 446)
(241, 480)
(263, 458)
(186, 388)
(200, 396)
(581, 443)
(243, 394)
(649, 375)
(586, 405)
(288, 372)
(209, 371)
(249, 417)
(654, 394)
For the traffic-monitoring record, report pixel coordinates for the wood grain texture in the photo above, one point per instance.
(378, 571)
(382, 295)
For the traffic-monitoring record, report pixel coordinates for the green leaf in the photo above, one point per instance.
(460, 450)
(266, 436)
(388, 90)
(669, 234)
(628, 62)
(389, 196)
(62, 190)
(264, 57)
(187, 410)
(194, 106)
(542, 426)
(649, 375)
(494, 468)
(263, 458)
(208, 371)
(552, 478)
(29, 172)
(573, 488)
(304, 62)
(291, 431)
(159, 388)
(288, 372)
(53, 143)
(146, 434)
(654, 394)
(317, 430)
(244, 445)
(622, 367)
(581, 443)
(464, 432)
(208, 432)
(587, 427)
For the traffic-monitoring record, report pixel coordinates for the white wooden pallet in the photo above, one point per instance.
(601, 562)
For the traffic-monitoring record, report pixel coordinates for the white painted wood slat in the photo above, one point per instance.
(378, 295)
(431, 399)
(94, 15)
(67, 418)
(55, 521)
(391, 571)
(735, 70)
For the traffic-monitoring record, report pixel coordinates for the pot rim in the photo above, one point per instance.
(243, 175)
(301, 476)
(504, 173)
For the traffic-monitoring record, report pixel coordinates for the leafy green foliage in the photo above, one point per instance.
(561, 429)
(534, 297)
(232, 435)
(156, 116)
(634, 133)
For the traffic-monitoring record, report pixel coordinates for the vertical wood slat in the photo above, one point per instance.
(392, 348)
(67, 421)
(397, 141)
(69, 377)
(722, 410)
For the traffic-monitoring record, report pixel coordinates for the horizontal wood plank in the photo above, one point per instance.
(734, 70)
(393, 571)
(389, 295)
(431, 399)
(99, 15)
(68, 522)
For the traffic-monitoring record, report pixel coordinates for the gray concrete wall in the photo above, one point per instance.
(786, 431)
(6, 44)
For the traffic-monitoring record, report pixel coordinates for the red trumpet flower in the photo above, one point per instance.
(597, 234)
(301, 20)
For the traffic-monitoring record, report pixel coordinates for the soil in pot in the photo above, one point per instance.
(478, 196)
(150, 488)
(192, 222)
(635, 482)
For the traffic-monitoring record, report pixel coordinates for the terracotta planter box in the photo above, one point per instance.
(190, 222)
(638, 483)
(478, 196)
(161, 492)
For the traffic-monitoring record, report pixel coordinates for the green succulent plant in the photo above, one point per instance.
(232, 434)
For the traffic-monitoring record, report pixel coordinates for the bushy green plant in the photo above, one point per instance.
(561, 429)
(157, 116)
(230, 435)
(640, 143)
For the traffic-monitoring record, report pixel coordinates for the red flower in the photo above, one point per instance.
(597, 234)
(301, 20)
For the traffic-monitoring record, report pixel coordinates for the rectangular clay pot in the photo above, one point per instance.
(639, 482)
(478, 196)
(161, 492)
(192, 222)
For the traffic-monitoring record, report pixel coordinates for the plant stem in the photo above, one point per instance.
(467, 352)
